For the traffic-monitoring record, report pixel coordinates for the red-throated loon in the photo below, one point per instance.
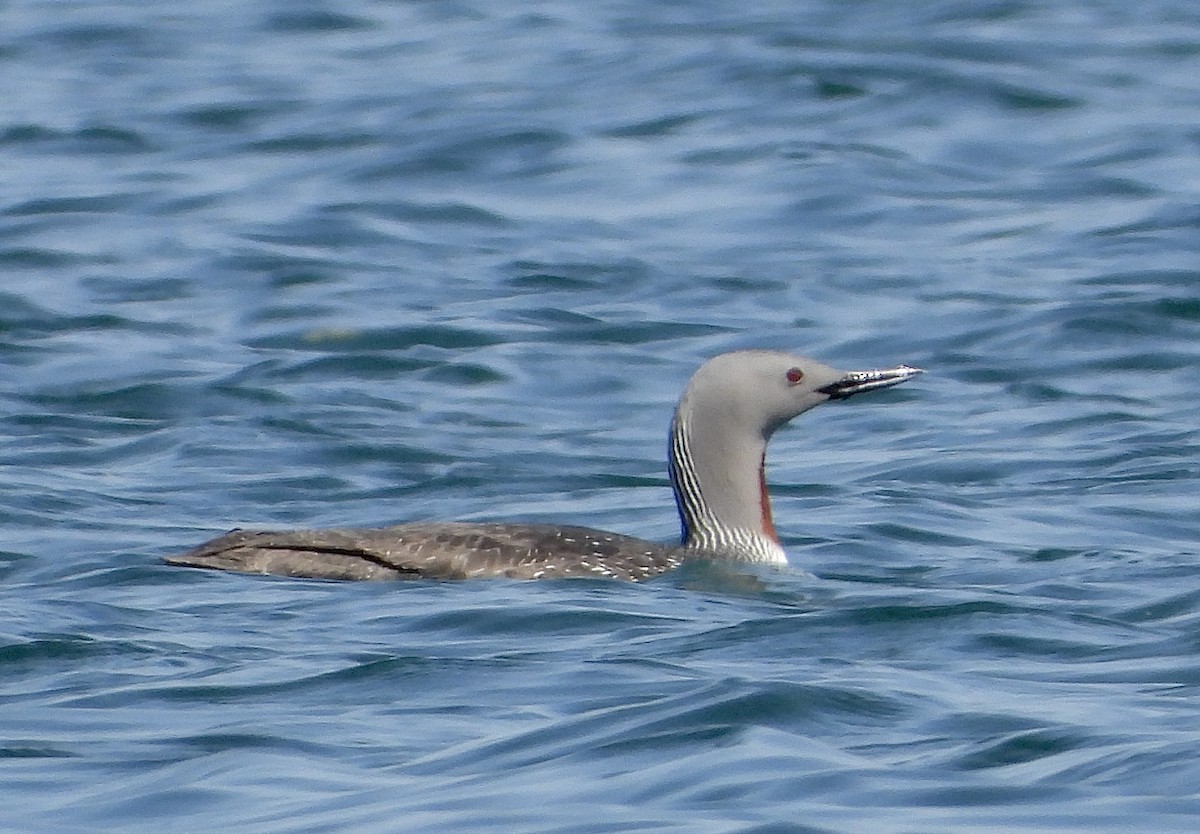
(717, 453)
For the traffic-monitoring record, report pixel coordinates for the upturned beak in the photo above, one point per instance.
(855, 382)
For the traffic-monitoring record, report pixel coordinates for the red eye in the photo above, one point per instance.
(794, 375)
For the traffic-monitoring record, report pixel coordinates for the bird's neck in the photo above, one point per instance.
(720, 489)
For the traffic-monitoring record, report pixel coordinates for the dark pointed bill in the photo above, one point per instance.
(855, 382)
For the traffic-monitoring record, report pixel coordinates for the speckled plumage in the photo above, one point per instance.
(436, 550)
(717, 451)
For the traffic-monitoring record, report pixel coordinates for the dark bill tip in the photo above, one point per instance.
(855, 382)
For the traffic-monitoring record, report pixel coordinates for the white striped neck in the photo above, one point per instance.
(721, 494)
(729, 410)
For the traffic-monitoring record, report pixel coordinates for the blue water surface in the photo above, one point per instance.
(310, 264)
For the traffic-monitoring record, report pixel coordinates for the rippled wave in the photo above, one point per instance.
(301, 266)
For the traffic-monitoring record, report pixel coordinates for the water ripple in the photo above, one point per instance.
(283, 266)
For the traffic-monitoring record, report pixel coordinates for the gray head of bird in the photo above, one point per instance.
(757, 391)
(728, 412)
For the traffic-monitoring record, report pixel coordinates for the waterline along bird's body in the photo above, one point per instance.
(717, 453)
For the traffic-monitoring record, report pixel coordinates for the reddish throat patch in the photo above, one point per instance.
(768, 524)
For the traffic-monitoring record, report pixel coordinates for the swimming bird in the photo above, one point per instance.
(717, 456)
